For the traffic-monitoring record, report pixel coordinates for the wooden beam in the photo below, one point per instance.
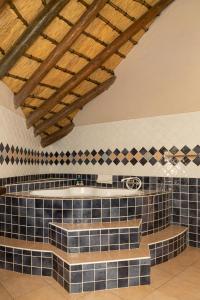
(57, 135)
(2, 2)
(59, 51)
(78, 104)
(97, 61)
(30, 34)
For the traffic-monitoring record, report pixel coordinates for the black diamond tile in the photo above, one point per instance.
(1, 147)
(125, 151)
(116, 161)
(152, 150)
(196, 161)
(185, 160)
(133, 151)
(86, 161)
(1, 159)
(80, 161)
(116, 151)
(101, 161)
(12, 149)
(125, 161)
(162, 161)
(74, 153)
(80, 153)
(7, 160)
(133, 161)
(174, 150)
(101, 152)
(93, 161)
(7, 148)
(143, 161)
(185, 149)
(152, 161)
(108, 152)
(67, 154)
(196, 149)
(87, 153)
(94, 152)
(143, 151)
(163, 150)
(108, 161)
(174, 161)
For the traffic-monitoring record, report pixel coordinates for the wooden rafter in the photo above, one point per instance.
(97, 61)
(2, 2)
(74, 106)
(57, 135)
(59, 51)
(30, 34)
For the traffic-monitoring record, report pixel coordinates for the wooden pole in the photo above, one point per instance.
(57, 135)
(97, 61)
(30, 34)
(76, 105)
(59, 51)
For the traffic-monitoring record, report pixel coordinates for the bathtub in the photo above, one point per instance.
(85, 192)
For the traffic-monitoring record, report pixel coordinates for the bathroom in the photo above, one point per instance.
(99, 149)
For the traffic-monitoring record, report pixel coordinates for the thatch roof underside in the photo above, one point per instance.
(63, 90)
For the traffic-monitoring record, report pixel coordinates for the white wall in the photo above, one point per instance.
(161, 74)
(13, 131)
(173, 130)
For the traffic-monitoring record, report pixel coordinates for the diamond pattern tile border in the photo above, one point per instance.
(10, 154)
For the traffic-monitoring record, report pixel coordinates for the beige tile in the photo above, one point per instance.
(159, 277)
(44, 293)
(4, 295)
(5, 275)
(180, 289)
(172, 267)
(23, 284)
(133, 293)
(156, 295)
(191, 274)
(100, 295)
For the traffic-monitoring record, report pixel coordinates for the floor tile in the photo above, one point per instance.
(4, 294)
(23, 284)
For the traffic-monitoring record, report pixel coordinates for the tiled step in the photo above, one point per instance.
(77, 238)
(77, 272)
(166, 244)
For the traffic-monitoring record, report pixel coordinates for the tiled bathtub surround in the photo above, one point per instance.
(28, 218)
(166, 244)
(103, 237)
(10, 154)
(102, 276)
(118, 270)
(26, 261)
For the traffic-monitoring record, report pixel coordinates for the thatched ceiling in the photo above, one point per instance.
(56, 56)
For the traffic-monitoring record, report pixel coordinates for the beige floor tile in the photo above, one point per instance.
(172, 267)
(4, 295)
(159, 277)
(191, 274)
(133, 293)
(44, 293)
(23, 284)
(100, 295)
(156, 295)
(182, 290)
(5, 275)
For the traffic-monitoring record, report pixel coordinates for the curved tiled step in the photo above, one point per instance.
(77, 272)
(77, 238)
(166, 244)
